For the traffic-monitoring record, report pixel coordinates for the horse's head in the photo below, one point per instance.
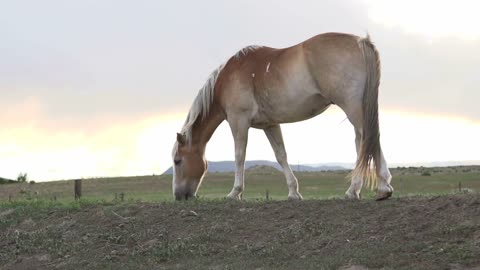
(189, 167)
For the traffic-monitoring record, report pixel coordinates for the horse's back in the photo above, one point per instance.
(294, 83)
(337, 65)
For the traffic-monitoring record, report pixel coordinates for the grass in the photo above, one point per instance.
(313, 185)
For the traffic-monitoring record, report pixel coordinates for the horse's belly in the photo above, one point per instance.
(287, 110)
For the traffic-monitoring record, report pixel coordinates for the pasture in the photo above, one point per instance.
(428, 224)
(313, 185)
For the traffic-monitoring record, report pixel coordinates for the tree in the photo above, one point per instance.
(22, 177)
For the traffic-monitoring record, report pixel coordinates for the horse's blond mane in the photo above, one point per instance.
(202, 103)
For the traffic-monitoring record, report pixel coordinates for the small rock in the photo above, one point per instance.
(6, 213)
(28, 222)
(184, 213)
(353, 267)
(150, 243)
(43, 257)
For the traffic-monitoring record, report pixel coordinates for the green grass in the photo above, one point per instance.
(313, 185)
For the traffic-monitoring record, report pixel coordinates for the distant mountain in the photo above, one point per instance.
(406, 164)
(437, 164)
(229, 166)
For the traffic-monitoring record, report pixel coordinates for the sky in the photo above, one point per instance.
(99, 88)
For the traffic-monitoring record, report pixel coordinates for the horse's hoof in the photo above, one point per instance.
(295, 197)
(383, 196)
(352, 196)
(385, 193)
(234, 197)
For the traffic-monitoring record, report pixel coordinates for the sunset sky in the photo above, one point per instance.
(99, 88)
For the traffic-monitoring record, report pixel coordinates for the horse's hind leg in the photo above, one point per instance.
(356, 184)
(384, 189)
(274, 135)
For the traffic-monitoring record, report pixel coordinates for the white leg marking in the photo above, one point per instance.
(239, 129)
(384, 189)
(356, 184)
(274, 135)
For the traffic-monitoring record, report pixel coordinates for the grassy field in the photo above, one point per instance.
(313, 185)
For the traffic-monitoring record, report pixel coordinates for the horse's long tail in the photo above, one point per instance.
(370, 151)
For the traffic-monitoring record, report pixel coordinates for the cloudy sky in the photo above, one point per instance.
(99, 88)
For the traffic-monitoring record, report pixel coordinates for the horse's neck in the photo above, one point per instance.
(204, 129)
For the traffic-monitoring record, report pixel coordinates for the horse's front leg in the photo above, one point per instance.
(274, 135)
(239, 127)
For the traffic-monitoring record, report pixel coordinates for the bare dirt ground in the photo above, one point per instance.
(440, 232)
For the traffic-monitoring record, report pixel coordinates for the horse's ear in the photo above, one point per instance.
(181, 139)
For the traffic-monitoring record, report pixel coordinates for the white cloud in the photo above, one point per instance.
(85, 97)
(431, 18)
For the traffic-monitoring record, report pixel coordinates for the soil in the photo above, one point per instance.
(441, 232)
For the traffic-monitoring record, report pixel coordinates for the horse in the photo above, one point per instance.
(262, 87)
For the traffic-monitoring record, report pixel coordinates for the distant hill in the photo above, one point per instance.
(263, 169)
(229, 166)
(6, 181)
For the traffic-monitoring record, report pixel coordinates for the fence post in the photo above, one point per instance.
(122, 195)
(459, 186)
(78, 189)
(267, 195)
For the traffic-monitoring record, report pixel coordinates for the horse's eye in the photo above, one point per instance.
(177, 161)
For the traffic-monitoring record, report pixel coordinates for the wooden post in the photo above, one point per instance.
(122, 195)
(267, 195)
(459, 186)
(78, 189)
(10, 197)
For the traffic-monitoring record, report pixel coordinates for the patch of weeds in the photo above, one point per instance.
(113, 238)
(163, 248)
(460, 252)
(8, 217)
(33, 242)
(49, 204)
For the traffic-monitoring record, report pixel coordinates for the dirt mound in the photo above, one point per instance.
(406, 233)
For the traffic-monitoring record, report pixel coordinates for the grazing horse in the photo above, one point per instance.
(263, 87)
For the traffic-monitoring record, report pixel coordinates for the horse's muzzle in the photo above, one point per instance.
(183, 194)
